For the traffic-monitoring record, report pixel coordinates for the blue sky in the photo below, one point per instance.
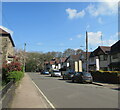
(50, 26)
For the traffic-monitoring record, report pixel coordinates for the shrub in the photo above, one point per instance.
(106, 76)
(8, 68)
(15, 75)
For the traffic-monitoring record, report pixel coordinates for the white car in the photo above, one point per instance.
(56, 73)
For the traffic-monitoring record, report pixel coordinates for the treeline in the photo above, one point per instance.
(35, 60)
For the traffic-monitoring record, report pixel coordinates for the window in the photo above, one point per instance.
(103, 57)
(114, 56)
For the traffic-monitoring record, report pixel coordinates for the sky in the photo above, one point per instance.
(56, 26)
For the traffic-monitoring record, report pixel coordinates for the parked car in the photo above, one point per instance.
(55, 73)
(82, 77)
(45, 72)
(68, 75)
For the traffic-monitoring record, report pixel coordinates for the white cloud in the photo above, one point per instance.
(100, 20)
(112, 40)
(106, 7)
(103, 8)
(94, 38)
(73, 13)
(71, 39)
(79, 35)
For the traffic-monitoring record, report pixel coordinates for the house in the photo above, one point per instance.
(99, 59)
(74, 63)
(7, 45)
(53, 64)
(83, 58)
(63, 64)
(115, 57)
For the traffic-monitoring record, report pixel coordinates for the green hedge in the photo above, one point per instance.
(106, 76)
(16, 75)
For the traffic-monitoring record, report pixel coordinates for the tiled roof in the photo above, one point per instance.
(57, 61)
(105, 49)
(76, 57)
(52, 62)
(46, 62)
(63, 60)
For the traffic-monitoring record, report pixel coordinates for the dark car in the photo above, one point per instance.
(82, 77)
(45, 72)
(68, 75)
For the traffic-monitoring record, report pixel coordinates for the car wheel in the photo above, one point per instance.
(73, 80)
(90, 82)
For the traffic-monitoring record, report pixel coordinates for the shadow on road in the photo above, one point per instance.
(47, 76)
(118, 89)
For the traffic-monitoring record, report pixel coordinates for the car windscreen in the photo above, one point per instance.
(78, 73)
(86, 74)
(71, 72)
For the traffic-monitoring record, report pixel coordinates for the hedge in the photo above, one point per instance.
(106, 76)
(16, 75)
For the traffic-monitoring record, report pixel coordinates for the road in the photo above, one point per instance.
(65, 94)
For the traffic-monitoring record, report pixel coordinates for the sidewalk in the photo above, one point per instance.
(28, 96)
(112, 86)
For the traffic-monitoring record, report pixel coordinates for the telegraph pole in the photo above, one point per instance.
(101, 40)
(86, 51)
(24, 55)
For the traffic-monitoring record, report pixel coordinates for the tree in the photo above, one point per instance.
(68, 52)
(78, 51)
(35, 60)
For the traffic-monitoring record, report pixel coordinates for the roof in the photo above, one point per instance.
(52, 62)
(46, 62)
(63, 60)
(105, 49)
(75, 57)
(100, 51)
(115, 48)
(57, 61)
(4, 33)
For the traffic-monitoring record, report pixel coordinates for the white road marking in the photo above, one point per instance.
(44, 96)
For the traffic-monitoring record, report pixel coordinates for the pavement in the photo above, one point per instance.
(112, 86)
(28, 96)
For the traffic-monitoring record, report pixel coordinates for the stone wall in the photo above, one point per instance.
(7, 48)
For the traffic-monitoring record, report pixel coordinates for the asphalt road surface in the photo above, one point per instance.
(65, 94)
